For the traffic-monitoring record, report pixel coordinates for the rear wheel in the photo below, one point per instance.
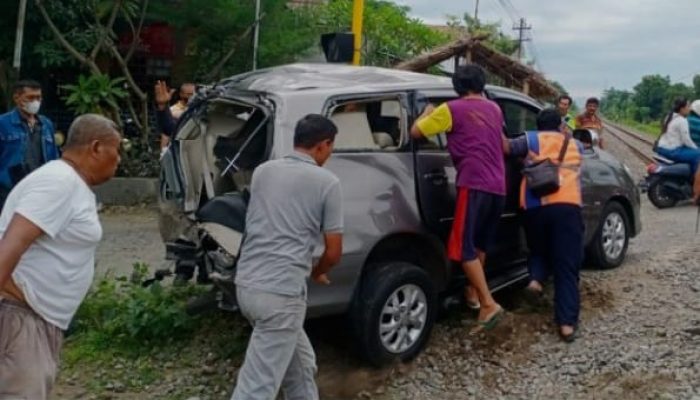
(609, 246)
(394, 312)
(659, 196)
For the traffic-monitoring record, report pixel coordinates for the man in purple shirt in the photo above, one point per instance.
(474, 127)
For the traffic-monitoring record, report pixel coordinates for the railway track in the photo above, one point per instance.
(640, 145)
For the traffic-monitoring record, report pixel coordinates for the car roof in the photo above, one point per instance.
(342, 79)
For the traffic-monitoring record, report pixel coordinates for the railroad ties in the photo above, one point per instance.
(641, 145)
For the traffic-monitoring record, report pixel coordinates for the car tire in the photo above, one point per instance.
(609, 245)
(658, 198)
(407, 329)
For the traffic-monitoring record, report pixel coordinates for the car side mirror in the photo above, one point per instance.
(588, 137)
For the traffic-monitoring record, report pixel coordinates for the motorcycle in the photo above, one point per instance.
(667, 182)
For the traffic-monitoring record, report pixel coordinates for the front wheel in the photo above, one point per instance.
(394, 312)
(609, 245)
(659, 196)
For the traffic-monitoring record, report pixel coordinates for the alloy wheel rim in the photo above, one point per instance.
(614, 235)
(403, 318)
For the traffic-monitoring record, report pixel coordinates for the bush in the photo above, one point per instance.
(96, 93)
(140, 161)
(122, 312)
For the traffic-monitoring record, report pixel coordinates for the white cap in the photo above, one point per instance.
(695, 106)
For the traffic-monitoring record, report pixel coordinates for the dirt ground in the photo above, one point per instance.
(130, 236)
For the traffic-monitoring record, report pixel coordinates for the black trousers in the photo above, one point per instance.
(555, 238)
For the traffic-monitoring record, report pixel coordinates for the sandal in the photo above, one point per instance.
(488, 324)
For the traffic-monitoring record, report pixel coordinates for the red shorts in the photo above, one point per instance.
(477, 215)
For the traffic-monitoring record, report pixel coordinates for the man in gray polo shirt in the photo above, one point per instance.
(293, 201)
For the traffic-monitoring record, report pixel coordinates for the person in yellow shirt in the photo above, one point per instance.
(474, 126)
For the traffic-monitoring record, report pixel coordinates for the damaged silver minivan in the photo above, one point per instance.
(398, 193)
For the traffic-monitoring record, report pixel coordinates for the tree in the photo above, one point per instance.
(696, 86)
(652, 92)
(618, 104)
(390, 34)
(84, 31)
(8, 19)
(677, 91)
(219, 40)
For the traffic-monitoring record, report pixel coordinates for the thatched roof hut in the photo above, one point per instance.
(471, 49)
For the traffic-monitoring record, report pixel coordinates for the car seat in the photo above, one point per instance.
(354, 132)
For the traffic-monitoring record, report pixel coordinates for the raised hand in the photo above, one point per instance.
(163, 94)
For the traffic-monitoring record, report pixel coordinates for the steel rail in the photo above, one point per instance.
(642, 147)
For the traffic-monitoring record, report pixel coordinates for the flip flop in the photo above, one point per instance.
(489, 324)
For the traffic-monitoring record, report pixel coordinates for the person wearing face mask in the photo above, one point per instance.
(26, 138)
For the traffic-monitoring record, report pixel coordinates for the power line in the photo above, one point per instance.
(508, 11)
(512, 7)
(535, 52)
(689, 75)
(514, 16)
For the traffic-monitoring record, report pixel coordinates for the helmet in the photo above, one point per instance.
(695, 106)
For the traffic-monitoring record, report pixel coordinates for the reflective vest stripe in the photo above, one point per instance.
(547, 145)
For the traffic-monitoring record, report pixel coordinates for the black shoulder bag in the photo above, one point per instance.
(542, 177)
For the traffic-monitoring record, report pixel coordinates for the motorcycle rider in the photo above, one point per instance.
(694, 122)
(675, 142)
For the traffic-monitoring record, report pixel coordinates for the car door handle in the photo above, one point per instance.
(436, 178)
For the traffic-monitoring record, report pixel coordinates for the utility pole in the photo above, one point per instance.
(256, 35)
(358, 8)
(521, 28)
(476, 13)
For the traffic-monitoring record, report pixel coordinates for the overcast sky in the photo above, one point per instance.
(594, 44)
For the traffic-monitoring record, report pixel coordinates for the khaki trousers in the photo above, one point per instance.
(29, 352)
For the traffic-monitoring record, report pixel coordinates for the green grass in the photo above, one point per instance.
(651, 129)
(143, 339)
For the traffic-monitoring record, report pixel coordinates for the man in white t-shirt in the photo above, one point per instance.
(49, 231)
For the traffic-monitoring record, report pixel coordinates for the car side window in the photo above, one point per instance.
(518, 117)
(375, 124)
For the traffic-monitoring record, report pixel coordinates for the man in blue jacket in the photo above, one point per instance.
(26, 138)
